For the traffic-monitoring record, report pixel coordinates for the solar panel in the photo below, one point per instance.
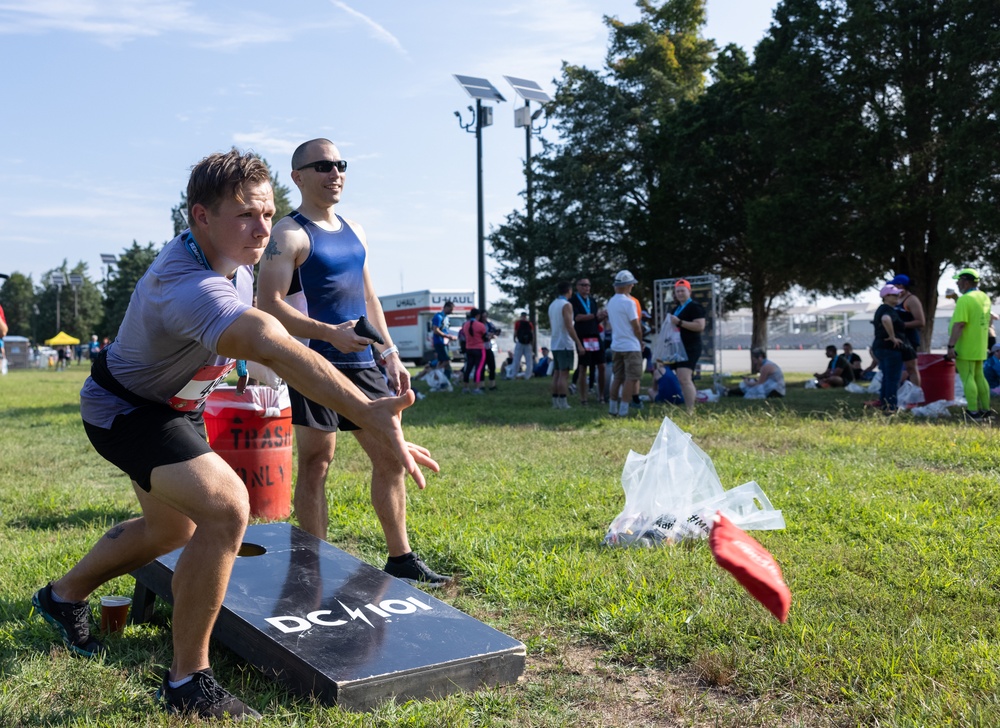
(479, 88)
(528, 90)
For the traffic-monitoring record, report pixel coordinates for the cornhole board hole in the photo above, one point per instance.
(330, 626)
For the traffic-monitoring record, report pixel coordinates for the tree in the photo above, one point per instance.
(132, 265)
(593, 190)
(77, 313)
(920, 85)
(17, 296)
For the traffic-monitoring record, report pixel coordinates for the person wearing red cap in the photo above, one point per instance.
(689, 317)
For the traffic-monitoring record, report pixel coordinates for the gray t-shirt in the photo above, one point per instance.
(165, 350)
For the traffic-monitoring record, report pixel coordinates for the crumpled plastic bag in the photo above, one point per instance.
(672, 493)
(855, 388)
(264, 375)
(909, 393)
(938, 408)
(707, 395)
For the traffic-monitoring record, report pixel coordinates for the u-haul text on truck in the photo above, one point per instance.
(408, 317)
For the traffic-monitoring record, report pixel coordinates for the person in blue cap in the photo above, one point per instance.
(911, 311)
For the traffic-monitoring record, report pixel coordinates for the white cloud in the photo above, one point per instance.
(265, 142)
(117, 22)
(378, 32)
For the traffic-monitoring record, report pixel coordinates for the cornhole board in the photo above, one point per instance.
(330, 626)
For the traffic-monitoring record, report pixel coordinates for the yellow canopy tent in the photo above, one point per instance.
(62, 339)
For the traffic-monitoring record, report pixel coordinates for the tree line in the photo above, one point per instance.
(861, 141)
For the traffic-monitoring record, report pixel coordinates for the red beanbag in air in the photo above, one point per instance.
(752, 566)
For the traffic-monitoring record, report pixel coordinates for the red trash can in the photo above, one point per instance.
(253, 433)
(937, 377)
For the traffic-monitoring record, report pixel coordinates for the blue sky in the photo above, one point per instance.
(108, 104)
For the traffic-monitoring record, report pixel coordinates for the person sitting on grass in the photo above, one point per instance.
(838, 374)
(544, 365)
(854, 360)
(666, 386)
(770, 380)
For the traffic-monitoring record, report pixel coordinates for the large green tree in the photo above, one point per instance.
(921, 113)
(17, 296)
(78, 312)
(593, 189)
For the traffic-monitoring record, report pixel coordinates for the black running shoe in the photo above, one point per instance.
(415, 571)
(204, 697)
(71, 620)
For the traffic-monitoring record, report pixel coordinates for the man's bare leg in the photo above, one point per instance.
(316, 449)
(388, 494)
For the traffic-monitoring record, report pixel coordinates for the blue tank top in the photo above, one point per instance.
(332, 280)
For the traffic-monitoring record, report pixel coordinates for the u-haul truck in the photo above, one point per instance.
(408, 317)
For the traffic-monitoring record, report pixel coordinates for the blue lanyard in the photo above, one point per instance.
(199, 255)
(585, 304)
(680, 308)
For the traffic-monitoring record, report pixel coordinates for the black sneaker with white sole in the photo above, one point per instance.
(415, 571)
(70, 619)
(204, 697)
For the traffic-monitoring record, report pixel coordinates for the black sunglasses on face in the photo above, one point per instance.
(325, 166)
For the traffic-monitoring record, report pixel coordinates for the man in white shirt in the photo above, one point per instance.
(626, 344)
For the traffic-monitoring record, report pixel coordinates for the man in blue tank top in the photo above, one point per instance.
(314, 279)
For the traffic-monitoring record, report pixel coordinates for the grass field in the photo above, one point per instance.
(891, 553)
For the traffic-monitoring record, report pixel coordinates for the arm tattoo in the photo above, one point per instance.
(115, 532)
(272, 249)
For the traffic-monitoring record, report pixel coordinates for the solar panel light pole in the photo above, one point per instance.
(108, 260)
(482, 116)
(59, 280)
(529, 91)
(76, 280)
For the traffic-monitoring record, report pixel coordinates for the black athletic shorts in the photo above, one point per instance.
(148, 437)
(307, 413)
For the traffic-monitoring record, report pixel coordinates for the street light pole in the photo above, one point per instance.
(482, 116)
(60, 280)
(529, 91)
(76, 280)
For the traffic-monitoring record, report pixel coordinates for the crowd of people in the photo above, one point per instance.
(615, 336)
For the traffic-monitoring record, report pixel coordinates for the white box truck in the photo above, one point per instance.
(408, 317)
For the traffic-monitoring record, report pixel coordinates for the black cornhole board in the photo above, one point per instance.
(352, 635)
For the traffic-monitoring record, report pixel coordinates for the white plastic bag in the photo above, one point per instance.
(672, 492)
(935, 409)
(437, 380)
(855, 388)
(264, 401)
(669, 348)
(264, 375)
(909, 393)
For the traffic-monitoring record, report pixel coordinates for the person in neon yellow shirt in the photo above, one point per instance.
(968, 332)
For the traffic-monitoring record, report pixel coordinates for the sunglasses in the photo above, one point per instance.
(325, 166)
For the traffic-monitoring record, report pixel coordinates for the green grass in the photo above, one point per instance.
(890, 553)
